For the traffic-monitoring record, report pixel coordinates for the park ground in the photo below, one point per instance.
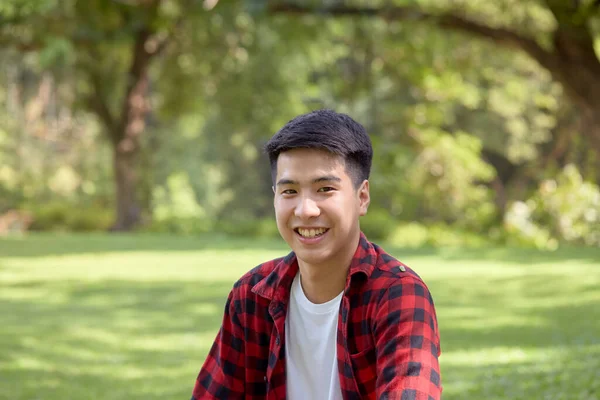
(132, 317)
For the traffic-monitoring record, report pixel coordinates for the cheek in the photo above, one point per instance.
(278, 215)
(280, 221)
(352, 205)
(282, 211)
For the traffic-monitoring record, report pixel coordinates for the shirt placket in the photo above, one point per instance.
(345, 370)
(349, 386)
(276, 362)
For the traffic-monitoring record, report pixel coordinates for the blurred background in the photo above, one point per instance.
(131, 136)
(151, 115)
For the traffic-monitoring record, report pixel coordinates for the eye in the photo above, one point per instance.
(326, 189)
(288, 191)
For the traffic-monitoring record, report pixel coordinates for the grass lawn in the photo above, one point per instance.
(132, 317)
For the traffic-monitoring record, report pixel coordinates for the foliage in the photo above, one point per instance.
(415, 235)
(65, 217)
(179, 226)
(462, 128)
(564, 209)
(451, 177)
(377, 224)
(48, 152)
(249, 227)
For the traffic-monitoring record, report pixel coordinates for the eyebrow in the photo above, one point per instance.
(326, 178)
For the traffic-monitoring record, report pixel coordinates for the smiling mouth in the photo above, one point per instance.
(311, 233)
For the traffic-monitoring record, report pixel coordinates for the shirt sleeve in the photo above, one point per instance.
(407, 343)
(222, 375)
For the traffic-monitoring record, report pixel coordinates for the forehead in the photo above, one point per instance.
(309, 163)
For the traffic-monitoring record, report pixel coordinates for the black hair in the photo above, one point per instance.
(327, 130)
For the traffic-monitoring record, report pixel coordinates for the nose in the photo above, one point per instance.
(307, 208)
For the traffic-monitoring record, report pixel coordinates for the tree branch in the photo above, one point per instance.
(501, 36)
(137, 74)
(145, 47)
(162, 41)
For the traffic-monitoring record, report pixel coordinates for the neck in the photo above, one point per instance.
(322, 283)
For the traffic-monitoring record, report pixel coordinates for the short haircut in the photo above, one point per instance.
(326, 130)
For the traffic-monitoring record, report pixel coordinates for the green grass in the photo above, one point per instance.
(132, 317)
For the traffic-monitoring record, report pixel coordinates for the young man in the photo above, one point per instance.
(337, 318)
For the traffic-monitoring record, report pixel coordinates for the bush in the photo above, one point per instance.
(248, 227)
(414, 235)
(179, 225)
(90, 220)
(69, 217)
(378, 224)
(409, 235)
(449, 177)
(565, 209)
(446, 235)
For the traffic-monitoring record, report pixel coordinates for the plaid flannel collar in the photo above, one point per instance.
(276, 285)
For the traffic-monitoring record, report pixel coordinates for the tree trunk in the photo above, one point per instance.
(126, 137)
(126, 153)
(577, 67)
(127, 208)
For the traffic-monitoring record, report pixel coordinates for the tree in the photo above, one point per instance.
(564, 46)
(111, 46)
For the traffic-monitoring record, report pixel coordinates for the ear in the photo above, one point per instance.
(364, 198)
(273, 189)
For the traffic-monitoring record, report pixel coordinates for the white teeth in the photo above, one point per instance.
(311, 233)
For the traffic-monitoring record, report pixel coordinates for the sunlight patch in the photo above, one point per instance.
(206, 309)
(28, 362)
(499, 355)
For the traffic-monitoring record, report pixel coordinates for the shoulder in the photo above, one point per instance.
(261, 279)
(389, 267)
(242, 296)
(402, 293)
(256, 274)
(390, 274)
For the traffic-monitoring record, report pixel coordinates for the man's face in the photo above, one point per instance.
(317, 206)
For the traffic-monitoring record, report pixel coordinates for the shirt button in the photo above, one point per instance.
(277, 340)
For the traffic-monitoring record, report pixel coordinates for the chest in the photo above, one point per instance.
(265, 333)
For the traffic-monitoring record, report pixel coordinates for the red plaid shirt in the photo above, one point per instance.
(387, 342)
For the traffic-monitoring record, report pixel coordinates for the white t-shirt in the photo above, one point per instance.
(310, 347)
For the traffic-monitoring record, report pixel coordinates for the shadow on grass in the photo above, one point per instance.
(534, 311)
(532, 337)
(570, 375)
(106, 339)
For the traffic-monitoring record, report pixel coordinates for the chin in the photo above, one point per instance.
(310, 257)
